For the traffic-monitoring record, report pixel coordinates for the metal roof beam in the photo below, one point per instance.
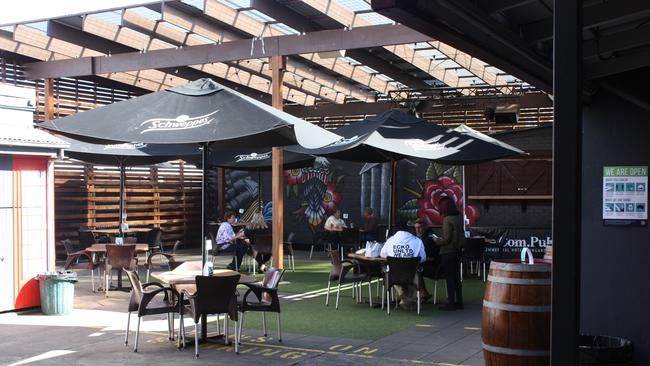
(321, 41)
(101, 44)
(298, 74)
(297, 21)
(348, 18)
(461, 24)
(603, 13)
(532, 100)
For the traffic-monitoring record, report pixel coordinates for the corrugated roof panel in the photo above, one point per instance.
(112, 17)
(176, 27)
(237, 4)
(147, 13)
(355, 5)
(259, 16)
(199, 4)
(284, 28)
(41, 26)
(376, 19)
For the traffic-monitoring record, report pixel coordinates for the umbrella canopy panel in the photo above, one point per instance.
(255, 159)
(202, 111)
(129, 154)
(395, 135)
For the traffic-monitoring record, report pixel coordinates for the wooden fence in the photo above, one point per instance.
(167, 196)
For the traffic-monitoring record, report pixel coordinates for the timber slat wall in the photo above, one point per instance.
(167, 196)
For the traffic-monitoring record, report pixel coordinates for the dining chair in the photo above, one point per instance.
(161, 300)
(73, 257)
(214, 295)
(288, 251)
(265, 299)
(166, 259)
(86, 238)
(403, 272)
(119, 257)
(474, 252)
(340, 272)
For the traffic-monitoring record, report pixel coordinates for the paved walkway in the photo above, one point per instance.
(93, 334)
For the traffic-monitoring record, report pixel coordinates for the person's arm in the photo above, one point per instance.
(447, 229)
(423, 253)
(385, 250)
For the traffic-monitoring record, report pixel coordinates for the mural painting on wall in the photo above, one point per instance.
(438, 181)
(318, 189)
(242, 193)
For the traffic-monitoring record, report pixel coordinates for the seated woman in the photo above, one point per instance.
(257, 227)
(229, 242)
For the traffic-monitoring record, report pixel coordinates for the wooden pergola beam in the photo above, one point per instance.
(321, 41)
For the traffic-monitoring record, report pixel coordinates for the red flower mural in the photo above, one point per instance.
(433, 191)
(295, 176)
(331, 199)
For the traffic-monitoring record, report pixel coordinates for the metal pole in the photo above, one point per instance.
(259, 191)
(204, 167)
(120, 220)
(464, 199)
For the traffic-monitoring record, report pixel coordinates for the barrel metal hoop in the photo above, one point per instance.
(516, 351)
(520, 267)
(517, 308)
(519, 281)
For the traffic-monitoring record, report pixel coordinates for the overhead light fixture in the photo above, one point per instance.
(503, 113)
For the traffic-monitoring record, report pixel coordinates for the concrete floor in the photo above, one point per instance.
(93, 334)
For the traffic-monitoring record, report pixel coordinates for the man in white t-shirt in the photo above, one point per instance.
(403, 244)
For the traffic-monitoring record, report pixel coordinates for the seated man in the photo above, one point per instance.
(228, 241)
(368, 232)
(404, 245)
(430, 267)
(333, 227)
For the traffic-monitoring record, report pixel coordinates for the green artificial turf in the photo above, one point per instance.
(310, 316)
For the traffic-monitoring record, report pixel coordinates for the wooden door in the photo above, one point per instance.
(31, 247)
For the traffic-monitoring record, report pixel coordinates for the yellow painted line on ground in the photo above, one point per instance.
(424, 325)
(320, 351)
(472, 328)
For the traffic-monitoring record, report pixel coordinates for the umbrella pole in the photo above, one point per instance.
(259, 191)
(464, 200)
(204, 166)
(121, 213)
(393, 194)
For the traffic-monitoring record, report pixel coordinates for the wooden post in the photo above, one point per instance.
(278, 65)
(49, 99)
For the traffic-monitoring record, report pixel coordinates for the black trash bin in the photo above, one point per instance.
(604, 350)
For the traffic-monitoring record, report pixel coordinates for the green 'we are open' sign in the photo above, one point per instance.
(625, 195)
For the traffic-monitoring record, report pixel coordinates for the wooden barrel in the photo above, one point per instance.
(548, 253)
(516, 322)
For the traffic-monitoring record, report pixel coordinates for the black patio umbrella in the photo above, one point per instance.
(127, 154)
(201, 112)
(395, 135)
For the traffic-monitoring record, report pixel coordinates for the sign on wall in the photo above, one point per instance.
(625, 195)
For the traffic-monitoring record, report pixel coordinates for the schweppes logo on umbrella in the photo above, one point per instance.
(182, 122)
(252, 157)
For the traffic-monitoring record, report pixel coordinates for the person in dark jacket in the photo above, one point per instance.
(451, 243)
(368, 232)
